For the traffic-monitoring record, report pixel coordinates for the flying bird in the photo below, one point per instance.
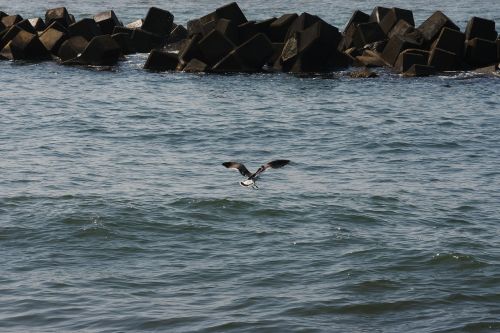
(252, 177)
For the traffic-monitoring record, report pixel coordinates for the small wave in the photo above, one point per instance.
(355, 218)
(477, 327)
(376, 286)
(151, 324)
(225, 204)
(93, 130)
(383, 199)
(463, 260)
(357, 309)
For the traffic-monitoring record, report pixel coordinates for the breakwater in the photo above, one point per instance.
(226, 41)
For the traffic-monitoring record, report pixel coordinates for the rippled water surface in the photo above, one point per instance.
(116, 214)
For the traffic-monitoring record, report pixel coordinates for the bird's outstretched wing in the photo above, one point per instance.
(271, 165)
(238, 166)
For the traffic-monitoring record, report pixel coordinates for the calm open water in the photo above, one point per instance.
(116, 214)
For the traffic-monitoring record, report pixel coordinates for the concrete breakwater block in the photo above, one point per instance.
(369, 59)
(224, 40)
(158, 21)
(478, 27)
(356, 18)
(396, 45)
(393, 16)
(52, 39)
(205, 24)
(25, 46)
(135, 24)
(26, 26)
(190, 50)
(420, 70)
(443, 60)
(100, 51)
(177, 34)
(229, 29)
(316, 49)
(144, 41)
(450, 40)
(123, 39)
(214, 47)
(410, 57)
(481, 52)
(251, 56)
(87, 28)
(37, 23)
(107, 21)
(10, 20)
(304, 21)
(401, 28)
(279, 28)
(378, 14)
(72, 47)
(367, 33)
(161, 61)
(431, 28)
(231, 12)
(498, 49)
(195, 66)
(59, 15)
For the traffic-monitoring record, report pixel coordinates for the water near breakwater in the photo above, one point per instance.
(116, 214)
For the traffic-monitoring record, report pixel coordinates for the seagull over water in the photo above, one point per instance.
(252, 177)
